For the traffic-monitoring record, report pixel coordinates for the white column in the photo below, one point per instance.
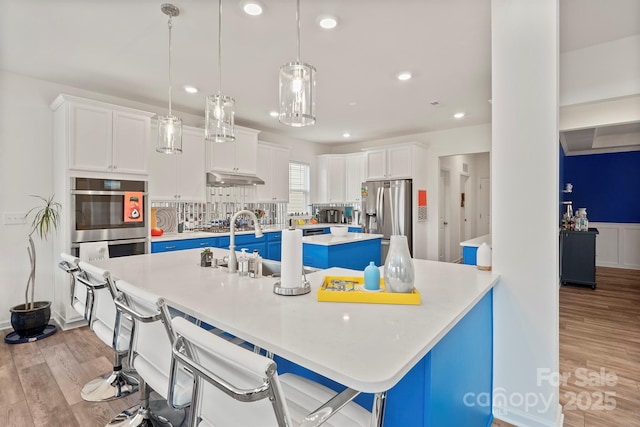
(524, 177)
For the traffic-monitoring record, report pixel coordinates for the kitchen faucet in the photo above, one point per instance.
(232, 266)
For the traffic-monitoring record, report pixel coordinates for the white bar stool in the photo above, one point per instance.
(81, 298)
(114, 330)
(235, 387)
(150, 355)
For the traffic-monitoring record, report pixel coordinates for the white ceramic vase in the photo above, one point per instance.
(399, 274)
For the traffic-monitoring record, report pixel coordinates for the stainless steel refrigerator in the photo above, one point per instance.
(387, 208)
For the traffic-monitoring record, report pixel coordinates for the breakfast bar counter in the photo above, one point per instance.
(442, 346)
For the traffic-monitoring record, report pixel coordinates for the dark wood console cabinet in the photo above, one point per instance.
(578, 257)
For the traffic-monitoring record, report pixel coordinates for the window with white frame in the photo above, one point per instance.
(298, 187)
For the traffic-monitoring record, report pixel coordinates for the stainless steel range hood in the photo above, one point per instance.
(226, 179)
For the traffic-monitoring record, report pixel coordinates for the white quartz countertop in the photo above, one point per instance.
(477, 241)
(368, 347)
(330, 239)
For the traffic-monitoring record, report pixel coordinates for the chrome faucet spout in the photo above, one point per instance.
(232, 266)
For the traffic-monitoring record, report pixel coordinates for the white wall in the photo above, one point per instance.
(603, 71)
(617, 245)
(524, 175)
(26, 167)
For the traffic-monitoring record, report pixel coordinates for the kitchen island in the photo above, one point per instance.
(433, 359)
(353, 251)
(470, 248)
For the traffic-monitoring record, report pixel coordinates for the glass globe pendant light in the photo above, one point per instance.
(219, 108)
(169, 126)
(297, 89)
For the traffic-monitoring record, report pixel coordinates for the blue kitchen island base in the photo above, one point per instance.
(354, 255)
(450, 386)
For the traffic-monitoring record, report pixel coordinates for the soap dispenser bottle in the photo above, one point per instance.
(243, 263)
(371, 277)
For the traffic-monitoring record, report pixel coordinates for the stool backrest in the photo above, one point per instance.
(152, 341)
(104, 309)
(234, 386)
(80, 297)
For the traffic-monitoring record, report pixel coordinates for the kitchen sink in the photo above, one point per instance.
(271, 268)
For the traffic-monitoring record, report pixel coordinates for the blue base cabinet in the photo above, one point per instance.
(469, 254)
(269, 245)
(451, 386)
(274, 246)
(355, 256)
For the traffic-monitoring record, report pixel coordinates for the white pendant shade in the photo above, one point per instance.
(297, 89)
(219, 119)
(169, 135)
(297, 94)
(219, 113)
(169, 126)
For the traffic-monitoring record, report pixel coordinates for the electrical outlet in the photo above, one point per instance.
(14, 218)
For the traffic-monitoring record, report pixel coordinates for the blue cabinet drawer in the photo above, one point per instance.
(170, 245)
(355, 230)
(245, 239)
(274, 236)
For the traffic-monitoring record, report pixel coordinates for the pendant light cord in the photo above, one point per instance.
(298, 22)
(170, 72)
(220, 47)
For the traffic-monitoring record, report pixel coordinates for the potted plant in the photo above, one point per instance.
(31, 318)
(206, 256)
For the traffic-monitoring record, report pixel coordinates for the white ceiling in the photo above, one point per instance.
(119, 48)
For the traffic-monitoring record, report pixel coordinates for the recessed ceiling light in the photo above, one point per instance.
(352, 104)
(405, 75)
(458, 115)
(327, 22)
(273, 113)
(252, 8)
(190, 89)
(346, 135)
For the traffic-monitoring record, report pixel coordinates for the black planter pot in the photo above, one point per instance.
(30, 322)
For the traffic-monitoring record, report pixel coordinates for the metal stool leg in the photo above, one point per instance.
(150, 413)
(114, 385)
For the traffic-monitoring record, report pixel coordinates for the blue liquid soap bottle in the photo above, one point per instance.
(371, 277)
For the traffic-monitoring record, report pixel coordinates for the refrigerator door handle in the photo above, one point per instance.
(380, 207)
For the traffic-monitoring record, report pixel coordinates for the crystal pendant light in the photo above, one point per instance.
(297, 89)
(170, 126)
(219, 108)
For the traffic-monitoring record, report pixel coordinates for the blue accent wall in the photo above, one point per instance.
(608, 185)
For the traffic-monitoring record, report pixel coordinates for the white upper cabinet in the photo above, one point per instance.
(376, 164)
(239, 156)
(103, 137)
(179, 176)
(330, 177)
(389, 163)
(273, 168)
(355, 169)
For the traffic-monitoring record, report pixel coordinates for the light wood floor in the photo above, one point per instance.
(40, 382)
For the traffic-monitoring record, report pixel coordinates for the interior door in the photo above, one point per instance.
(484, 207)
(464, 223)
(443, 222)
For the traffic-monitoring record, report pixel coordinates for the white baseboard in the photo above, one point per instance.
(617, 245)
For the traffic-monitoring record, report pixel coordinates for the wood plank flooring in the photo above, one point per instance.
(40, 382)
(600, 349)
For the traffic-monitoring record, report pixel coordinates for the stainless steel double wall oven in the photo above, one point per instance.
(98, 208)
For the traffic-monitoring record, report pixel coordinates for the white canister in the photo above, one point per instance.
(483, 257)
